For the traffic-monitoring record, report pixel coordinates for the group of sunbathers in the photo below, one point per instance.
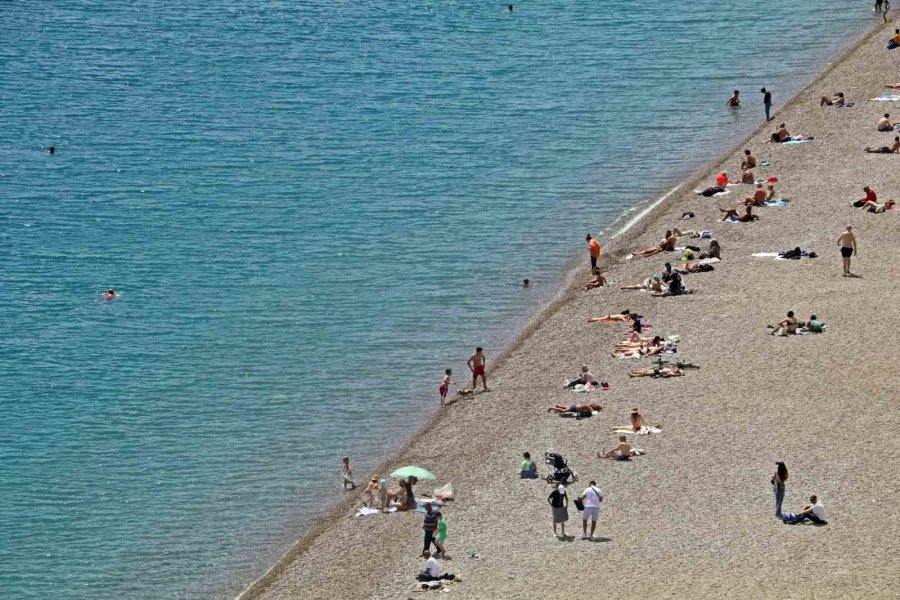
(792, 326)
(870, 203)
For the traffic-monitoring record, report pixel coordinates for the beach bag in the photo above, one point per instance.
(444, 492)
(579, 504)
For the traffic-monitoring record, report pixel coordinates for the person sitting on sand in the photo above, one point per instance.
(625, 315)
(732, 213)
(577, 408)
(884, 123)
(871, 196)
(654, 284)
(892, 149)
(837, 100)
(432, 570)
(770, 192)
(814, 512)
(658, 372)
(674, 281)
(874, 207)
(748, 162)
(584, 378)
(384, 496)
(622, 451)
(598, 280)
(734, 101)
(637, 421)
(408, 498)
(528, 469)
(667, 244)
(715, 251)
(781, 135)
(758, 198)
(786, 326)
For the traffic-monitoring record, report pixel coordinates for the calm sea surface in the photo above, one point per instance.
(310, 210)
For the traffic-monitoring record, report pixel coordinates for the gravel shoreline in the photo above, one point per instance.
(694, 517)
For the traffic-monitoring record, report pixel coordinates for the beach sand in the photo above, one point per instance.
(695, 516)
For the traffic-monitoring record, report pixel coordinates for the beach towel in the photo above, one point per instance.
(845, 105)
(708, 261)
(642, 431)
(765, 163)
(776, 202)
(365, 511)
(765, 255)
(887, 97)
(797, 141)
(582, 388)
(421, 502)
(578, 416)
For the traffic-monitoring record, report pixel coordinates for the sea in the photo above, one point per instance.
(308, 210)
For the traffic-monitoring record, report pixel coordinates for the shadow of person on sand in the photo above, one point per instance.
(599, 540)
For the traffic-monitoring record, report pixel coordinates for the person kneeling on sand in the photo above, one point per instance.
(892, 149)
(577, 408)
(598, 281)
(814, 512)
(622, 451)
(432, 570)
(657, 372)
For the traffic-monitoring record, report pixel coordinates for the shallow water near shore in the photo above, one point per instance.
(310, 211)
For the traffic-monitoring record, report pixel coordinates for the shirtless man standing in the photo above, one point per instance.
(847, 243)
(476, 365)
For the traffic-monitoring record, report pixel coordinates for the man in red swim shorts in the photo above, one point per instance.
(446, 382)
(476, 365)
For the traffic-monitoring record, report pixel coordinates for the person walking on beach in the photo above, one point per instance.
(847, 243)
(477, 363)
(778, 479)
(559, 505)
(767, 103)
(446, 382)
(734, 101)
(594, 250)
(347, 478)
(441, 536)
(429, 525)
(592, 497)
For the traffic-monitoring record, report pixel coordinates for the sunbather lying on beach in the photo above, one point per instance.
(712, 190)
(732, 213)
(667, 244)
(694, 267)
(598, 280)
(637, 421)
(892, 149)
(837, 100)
(625, 315)
(874, 207)
(636, 338)
(654, 284)
(622, 451)
(660, 372)
(628, 350)
(691, 233)
(884, 123)
(574, 408)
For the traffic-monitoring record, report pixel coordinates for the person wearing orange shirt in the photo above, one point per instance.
(593, 250)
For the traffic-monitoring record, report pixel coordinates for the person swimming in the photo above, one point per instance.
(734, 101)
(110, 294)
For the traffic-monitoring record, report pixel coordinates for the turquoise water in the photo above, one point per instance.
(310, 210)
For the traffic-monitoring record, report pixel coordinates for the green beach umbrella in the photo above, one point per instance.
(417, 472)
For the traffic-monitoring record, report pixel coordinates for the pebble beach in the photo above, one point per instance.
(694, 516)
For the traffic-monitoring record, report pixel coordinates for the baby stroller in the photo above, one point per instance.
(561, 471)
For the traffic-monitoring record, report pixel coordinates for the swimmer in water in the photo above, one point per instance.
(509, 8)
(51, 150)
(110, 294)
(526, 283)
(734, 101)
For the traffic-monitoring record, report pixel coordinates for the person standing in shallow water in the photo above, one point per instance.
(778, 479)
(347, 474)
(734, 101)
(767, 103)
